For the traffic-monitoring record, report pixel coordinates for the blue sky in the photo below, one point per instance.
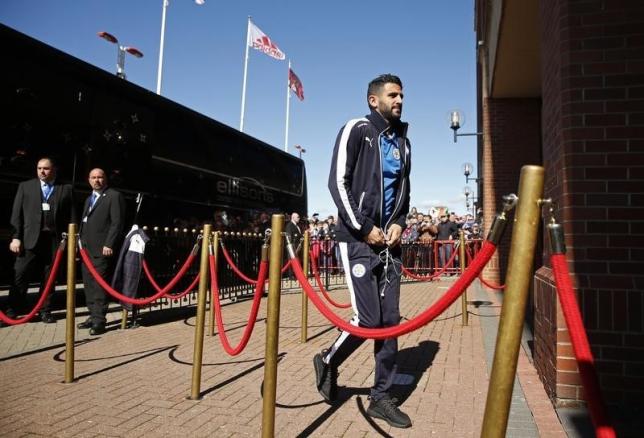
(335, 48)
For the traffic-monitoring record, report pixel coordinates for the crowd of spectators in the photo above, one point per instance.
(423, 228)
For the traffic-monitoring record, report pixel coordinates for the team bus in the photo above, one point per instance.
(189, 168)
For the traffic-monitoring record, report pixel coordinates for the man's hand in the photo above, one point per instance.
(107, 252)
(15, 246)
(375, 237)
(393, 235)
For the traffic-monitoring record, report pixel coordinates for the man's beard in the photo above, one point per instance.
(388, 114)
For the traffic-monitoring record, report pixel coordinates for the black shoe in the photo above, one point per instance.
(97, 329)
(47, 318)
(85, 324)
(10, 313)
(386, 409)
(326, 378)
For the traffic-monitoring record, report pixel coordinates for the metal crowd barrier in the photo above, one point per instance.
(168, 248)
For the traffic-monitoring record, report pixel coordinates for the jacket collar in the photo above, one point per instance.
(383, 124)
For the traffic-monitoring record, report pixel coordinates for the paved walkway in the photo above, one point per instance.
(135, 382)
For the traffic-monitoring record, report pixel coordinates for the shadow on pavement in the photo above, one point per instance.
(173, 358)
(280, 356)
(412, 364)
(147, 353)
(50, 347)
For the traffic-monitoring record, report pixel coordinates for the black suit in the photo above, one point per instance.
(102, 226)
(39, 231)
(295, 235)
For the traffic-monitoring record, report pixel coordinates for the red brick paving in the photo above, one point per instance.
(135, 382)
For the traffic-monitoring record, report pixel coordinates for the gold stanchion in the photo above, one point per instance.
(124, 319)
(524, 237)
(461, 260)
(215, 245)
(272, 327)
(305, 300)
(70, 326)
(197, 357)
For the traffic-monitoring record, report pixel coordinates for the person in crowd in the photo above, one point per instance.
(294, 233)
(445, 232)
(293, 230)
(475, 232)
(101, 231)
(427, 233)
(410, 234)
(42, 209)
(370, 224)
(313, 230)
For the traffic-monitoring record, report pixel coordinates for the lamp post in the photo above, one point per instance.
(121, 50)
(467, 191)
(457, 121)
(467, 171)
(166, 3)
(300, 149)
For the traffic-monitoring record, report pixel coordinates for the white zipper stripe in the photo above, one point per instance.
(340, 171)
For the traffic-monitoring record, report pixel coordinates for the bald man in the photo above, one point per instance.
(42, 209)
(100, 233)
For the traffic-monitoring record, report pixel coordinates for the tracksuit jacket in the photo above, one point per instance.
(355, 180)
(356, 185)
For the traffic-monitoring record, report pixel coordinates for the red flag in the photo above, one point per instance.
(260, 41)
(295, 84)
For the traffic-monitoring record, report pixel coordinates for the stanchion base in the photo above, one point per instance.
(194, 399)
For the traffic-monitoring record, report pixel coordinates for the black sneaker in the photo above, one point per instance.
(326, 378)
(386, 409)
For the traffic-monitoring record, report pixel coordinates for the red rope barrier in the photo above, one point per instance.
(420, 320)
(410, 274)
(449, 263)
(136, 301)
(581, 347)
(234, 267)
(156, 286)
(318, 280)
(48, 286)
(491, 285)
(259, 289)
(286, 266)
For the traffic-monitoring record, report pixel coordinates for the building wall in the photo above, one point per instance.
(593, 153)
(512, 139)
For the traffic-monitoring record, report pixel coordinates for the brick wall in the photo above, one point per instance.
(513, 139)
(593, 151)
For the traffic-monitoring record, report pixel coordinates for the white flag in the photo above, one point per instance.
(260, 41)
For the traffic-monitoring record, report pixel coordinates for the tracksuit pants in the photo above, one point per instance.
(374, 285)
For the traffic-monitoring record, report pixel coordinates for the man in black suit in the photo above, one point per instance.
(42, 209)
(100, 233)
(294, 233)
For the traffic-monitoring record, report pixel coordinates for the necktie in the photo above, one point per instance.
(92, 200)
(46, 191)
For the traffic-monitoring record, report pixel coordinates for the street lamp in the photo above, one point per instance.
(457, 121)
(120, 56)
(300, 149)
(467, 171)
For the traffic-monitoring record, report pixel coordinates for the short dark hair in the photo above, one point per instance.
(50, 159)
(376, 84)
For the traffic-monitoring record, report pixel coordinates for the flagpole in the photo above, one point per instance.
(288, 105)
(160, 68)
(243, 102)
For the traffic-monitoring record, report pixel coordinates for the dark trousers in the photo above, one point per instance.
(95, 298)
(444, 253)
(375, 297)
(29, 264)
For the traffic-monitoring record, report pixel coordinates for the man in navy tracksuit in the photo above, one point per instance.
(369, 182)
